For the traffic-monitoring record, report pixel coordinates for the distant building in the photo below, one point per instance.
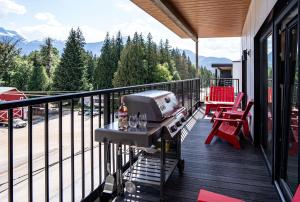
(10, 94)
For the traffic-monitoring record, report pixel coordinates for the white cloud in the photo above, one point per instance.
(91, 34)
(125, 6)
(9, 6)
(49, 18)
(52, 27)
(229, 47)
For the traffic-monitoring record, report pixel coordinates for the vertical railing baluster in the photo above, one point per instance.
(82, 151)
(182, 93)
(72, 153)
(46, 152)
(10, 156)
(60, 151)
(30, 198)
(191, 95)
(99, 144)
(113, 106)
(92, 142)
(112, 151)
(106, 112)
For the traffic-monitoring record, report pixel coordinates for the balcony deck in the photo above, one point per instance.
(217, 167)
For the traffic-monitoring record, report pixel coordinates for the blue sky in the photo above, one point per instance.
(37, 19)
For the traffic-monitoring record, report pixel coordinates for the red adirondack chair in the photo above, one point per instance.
(228, 129)
(235, 106)
(207, 196)
(219, 96)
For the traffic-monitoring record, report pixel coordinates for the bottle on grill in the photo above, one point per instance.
(123, 116)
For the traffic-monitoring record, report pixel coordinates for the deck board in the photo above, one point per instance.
(217, 167)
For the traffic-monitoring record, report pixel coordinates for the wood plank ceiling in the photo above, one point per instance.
(204, 18)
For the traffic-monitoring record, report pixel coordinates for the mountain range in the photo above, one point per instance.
(29, 46)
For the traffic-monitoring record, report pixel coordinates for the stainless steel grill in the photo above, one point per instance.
(166, 119)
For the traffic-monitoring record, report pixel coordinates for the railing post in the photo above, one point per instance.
(106, 109)
(46, 152)
(92, 140)
(60, 152)
(30, 186)
(10, 156)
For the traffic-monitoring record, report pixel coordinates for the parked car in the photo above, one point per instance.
(88, 113)
(19, 123)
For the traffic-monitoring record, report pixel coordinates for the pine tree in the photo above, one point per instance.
(107, 65)
(38, 80)
(91, 62)
(35, 58)
(151, 58)
(132, 65)
(119, 45)
(49, 56)
(70, 74)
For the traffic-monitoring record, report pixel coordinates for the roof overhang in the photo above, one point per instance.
(199, 18)
(225, 66)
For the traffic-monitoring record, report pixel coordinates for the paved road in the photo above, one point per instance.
(21, 155)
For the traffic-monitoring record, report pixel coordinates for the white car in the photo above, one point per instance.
(19, 123)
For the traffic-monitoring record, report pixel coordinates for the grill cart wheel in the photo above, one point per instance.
(180, 166)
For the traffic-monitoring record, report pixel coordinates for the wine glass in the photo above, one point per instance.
(133, 121)
(143, 120)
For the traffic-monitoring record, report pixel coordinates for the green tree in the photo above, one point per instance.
(132, 65)
(91, 62)
(70, 75)
(151, 58)
(49, 56)
(8, 54)
(106, 65)
(118, 46)
(38, 80)
(162, 73)
(20, 76)
(35, 58)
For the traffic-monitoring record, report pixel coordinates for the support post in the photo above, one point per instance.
(197, 56)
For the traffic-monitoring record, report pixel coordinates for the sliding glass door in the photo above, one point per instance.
(266, 100)
(290, 131)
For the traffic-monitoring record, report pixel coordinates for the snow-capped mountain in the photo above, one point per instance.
(29, 46)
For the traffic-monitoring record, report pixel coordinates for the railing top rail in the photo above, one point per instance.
(224, 79)
(68, 96)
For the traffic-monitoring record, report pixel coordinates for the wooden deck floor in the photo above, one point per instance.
(217, 167)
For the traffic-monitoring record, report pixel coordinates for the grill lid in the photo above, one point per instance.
(157, 104)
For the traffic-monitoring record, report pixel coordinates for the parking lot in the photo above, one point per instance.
(21, 157)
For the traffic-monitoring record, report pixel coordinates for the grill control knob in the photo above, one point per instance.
(183, 119)
(178, 124)
(173, 129)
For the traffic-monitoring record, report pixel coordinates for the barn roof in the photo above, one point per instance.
(5, 89)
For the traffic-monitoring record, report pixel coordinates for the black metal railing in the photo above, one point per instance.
(63, 161)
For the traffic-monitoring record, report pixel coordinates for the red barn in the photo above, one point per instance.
(10, 94)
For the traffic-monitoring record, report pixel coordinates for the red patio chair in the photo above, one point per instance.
(296, 197)
(207, 196)
(235, 106)
(219, 96)
(228, 128)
